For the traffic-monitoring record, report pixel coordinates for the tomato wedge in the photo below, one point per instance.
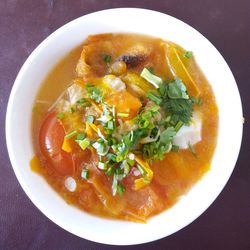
(51, 138)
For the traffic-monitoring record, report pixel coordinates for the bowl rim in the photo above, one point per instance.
(13, 93)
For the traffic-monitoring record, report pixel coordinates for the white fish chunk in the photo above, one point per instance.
(189, 134)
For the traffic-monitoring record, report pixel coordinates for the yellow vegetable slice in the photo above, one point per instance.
(179, 70)
(90, 129)
(141, 182)
(35, 164)
(66, 146)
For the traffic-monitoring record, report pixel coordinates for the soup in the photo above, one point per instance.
(124, 125)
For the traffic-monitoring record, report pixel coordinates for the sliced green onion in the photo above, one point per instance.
(84, 143)
(120, 189)
(126, 167)
(90, 119)
(83, 103)
(131, 162)
(100, 134)
(188, 54)
(80, 137)
(151, 69)
(101, 148)
(144, 123)
(114, 185)
(105, 118)
(113, 111)
(153, 79)
(71, 134)
(112, 157)
(110, 125)
(123, 114)
(102, 165)
(141, 169)
(119, 158)
(85, 174)
(155, 98)
(60, 116)
(110, 171)
(178, 126)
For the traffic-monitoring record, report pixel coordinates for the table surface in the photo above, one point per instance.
(226, 23)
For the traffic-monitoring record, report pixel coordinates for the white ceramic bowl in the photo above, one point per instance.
(42, 60)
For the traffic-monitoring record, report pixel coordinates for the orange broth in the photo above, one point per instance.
(173, 176)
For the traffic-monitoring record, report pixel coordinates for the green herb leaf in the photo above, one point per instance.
(178, 126)
(109, 171)
(188, 54)
(167, 135)
(197, 100)
(101, 148)
(157, 150)
(123, 114)
(114, 185)
(80, 137)
(60, 116)
(155, 98)
(94, 93)
(83, 103)
(106, 58)
(177, 90)
(84, 143)
(71, 134)
(120, 189)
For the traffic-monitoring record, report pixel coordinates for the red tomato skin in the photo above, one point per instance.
(51, 138)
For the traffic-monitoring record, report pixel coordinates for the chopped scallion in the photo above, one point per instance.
(178, 126)
(123, 114)
(90, 119)
(71, 134)
(110, 125)
(110, 171)
(102, 165)
(155, 98)
(60, 116)
(84, 143)
(141, 169)
(188, 54)
(120, 189)
(153, 79)
(85, 174)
